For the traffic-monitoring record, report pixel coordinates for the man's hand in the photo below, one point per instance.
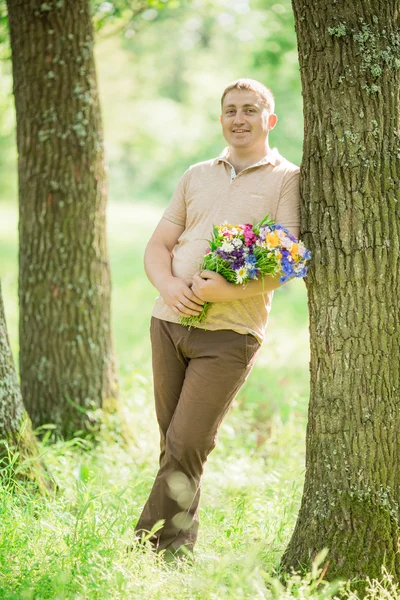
(212, 287)
(180, 298)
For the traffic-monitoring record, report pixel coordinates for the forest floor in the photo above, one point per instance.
(74, 544)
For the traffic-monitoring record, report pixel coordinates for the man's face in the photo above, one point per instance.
(245, 121)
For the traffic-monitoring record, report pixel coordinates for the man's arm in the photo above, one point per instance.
(212, 287)
(157, 263)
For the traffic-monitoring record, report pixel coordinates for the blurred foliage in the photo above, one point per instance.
(161, 92)
(162, 67)
(4, 46)
(120, 14)
(8, 153)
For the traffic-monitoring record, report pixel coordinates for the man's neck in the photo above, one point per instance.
(241, 158)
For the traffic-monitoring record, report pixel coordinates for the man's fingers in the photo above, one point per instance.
(193, 298)
(183, 311)
(192, 305)
(208, 275)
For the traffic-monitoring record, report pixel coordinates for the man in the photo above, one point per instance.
(198, 372)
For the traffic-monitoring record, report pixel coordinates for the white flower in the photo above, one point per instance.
(287, 243)
(237, 242)
(227, 247)
(241, 274)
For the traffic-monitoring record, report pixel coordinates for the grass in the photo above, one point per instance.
(74, 545)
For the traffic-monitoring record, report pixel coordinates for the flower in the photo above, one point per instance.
(241, 274)
(227, 247)
(252, 272)
(272, 240)
(286, 243)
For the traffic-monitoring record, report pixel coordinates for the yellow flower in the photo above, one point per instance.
(272, 239)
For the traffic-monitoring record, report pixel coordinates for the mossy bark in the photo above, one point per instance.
(66, 354)
(19, 452)
(350, 68)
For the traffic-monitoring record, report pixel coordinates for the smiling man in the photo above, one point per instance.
(198, 371)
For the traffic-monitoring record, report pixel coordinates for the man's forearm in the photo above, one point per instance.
(157, 264)
(212, 287)
(175, 292)
(256, 287)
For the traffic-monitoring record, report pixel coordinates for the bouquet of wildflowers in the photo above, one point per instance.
(241, 253)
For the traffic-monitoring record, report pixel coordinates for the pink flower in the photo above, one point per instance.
(250, 237)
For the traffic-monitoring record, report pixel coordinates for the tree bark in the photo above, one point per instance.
(19, 452)
(350, 68)
(66, 354)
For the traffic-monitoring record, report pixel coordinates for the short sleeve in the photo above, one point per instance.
(288, 210)
(176, 209)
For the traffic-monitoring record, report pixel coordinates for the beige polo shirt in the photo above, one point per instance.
(210, 193)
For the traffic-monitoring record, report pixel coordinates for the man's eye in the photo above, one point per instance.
(229, 112)
(251, 110)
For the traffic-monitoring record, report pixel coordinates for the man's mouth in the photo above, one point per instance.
(240, 130)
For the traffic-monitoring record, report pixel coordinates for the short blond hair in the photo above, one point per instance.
(267, 97)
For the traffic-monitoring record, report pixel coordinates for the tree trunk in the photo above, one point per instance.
(66, 355)
(18, 447)
(350, 68)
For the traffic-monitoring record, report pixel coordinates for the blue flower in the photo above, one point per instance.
(252, 272)
(280, 226)
(287, 266)
(307, 255)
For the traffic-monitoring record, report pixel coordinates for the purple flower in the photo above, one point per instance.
(237, 264)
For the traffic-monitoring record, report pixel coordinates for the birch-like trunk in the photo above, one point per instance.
(350, 183)
(66, 355)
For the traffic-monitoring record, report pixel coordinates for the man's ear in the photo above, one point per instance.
(272, 120)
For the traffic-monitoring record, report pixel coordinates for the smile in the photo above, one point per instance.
(240, 130)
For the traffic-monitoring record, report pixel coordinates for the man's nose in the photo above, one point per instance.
(239, 118)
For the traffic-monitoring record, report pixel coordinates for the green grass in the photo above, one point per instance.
(73, 545)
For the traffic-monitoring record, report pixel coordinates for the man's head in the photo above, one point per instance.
(265, 95)
(247, 114)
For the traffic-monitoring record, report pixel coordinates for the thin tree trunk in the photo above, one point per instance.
(350, 183)
(66, 355)
(19, 452)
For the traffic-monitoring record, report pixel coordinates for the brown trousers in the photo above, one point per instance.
(197, 375)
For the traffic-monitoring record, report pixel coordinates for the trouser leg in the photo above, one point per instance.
(219, 363)
(169, 367)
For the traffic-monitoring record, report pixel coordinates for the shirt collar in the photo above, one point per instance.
(269, 158)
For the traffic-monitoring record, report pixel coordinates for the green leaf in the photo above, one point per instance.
(83, 473)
